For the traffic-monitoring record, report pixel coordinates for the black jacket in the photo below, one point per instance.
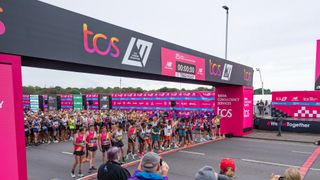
(112, 170)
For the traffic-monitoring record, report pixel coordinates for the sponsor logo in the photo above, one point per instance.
(2, 26)
(137, 52)
(295, 98)
(281, 98)
(214, 69)
(110, 47)
(289, 124)
(227, 70)
(169, 65)
(1, 104)
(225, 112)
(310, 99)
(246, 113)
(247, 75)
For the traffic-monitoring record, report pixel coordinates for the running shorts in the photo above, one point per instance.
(78, 153)
(105, 148)
(119, 144)
(167, 138)
(92, 149)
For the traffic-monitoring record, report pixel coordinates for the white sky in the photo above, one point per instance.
(278, 36)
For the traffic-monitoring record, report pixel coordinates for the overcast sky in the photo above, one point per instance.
(277, 36)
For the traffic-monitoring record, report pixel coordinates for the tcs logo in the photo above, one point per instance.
(215, 69)
(224, 112)
(246, 75)
(2, 26)
(109, 47)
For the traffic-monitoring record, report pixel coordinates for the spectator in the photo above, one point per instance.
(228, 167)
(279, 124)
(112, 168)
(289, 174)
(208, 173)
(150, 168)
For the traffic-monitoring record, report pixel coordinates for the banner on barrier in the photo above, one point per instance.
(66, 101)
(297, 104)
(92, 101)
(77, 102)
(149, 101)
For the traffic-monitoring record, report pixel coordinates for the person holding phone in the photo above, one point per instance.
(151, 167)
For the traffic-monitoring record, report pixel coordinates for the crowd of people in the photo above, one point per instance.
(99, 130)
(153, 167)
(145, 134)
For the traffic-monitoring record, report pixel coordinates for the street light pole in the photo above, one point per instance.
(262, 90)
(227, 22)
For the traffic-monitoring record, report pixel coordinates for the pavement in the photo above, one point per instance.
(286, 136)
(255, 159)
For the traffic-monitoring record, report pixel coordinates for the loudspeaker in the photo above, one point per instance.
(41, 107)
(58, 102)
(84, 102)
(173, 103)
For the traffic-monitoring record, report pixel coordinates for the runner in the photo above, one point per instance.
(167, 135)
(104, 142)
(27, 132)
(117, 139)
(155, 137)
(141, 139)
(132, 134)
(92, 147)
(217, 122)
(148, 137)
(71, 124)
(36, 129)
(79, 145)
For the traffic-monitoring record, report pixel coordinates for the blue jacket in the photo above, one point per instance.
(142, 175)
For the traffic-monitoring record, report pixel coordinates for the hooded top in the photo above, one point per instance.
(142, 175)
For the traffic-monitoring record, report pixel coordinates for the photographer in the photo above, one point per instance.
(151, 167)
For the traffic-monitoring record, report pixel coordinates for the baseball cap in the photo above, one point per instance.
(205, 173)
(226, 163)
(150, 160)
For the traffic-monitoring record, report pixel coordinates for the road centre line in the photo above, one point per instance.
(69, 153)
(275, 164)
(302, 152)
(192, 152)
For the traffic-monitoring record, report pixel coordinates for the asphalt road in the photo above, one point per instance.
(255, 159)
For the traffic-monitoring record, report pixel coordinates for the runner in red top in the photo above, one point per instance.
(92, 139)
(104, 142)
(79, 146)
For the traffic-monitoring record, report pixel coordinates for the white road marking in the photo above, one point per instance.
(302, 152)
(275, 164)
(67, 153)
(192, 152)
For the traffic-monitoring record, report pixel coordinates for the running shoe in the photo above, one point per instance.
(133, 156)
(93, 168)
(80, 175)
(73, 175)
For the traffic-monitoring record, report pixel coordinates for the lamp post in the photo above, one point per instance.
(262, 90)
(226, 48)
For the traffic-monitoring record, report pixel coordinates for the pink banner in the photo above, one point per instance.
(26, 101)
(297, 104)
(66, 101)
(317, 78)
(178, 64)
(185, 101)
(92, 101)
